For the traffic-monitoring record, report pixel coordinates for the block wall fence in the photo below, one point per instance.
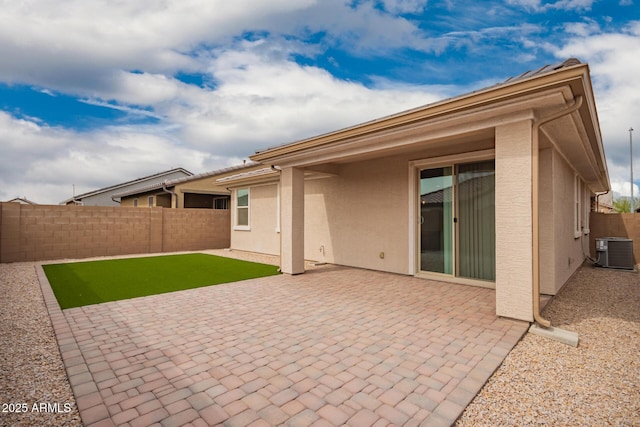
(625, 225)
(51, 232)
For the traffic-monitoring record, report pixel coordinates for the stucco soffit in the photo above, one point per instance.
(257, 176)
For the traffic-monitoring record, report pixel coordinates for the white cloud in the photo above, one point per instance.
(260, 102)
(42, 162)
(582, 29)
(614, 61)
(621, 189)
(538, 6)
(124, 56)
(404, 6)
(260, 99)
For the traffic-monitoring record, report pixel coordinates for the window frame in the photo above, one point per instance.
(586, 209)
(237, 208)
(577, 206)
(223, 201)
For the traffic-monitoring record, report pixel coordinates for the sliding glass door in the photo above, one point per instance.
(457, 217)
(436, 208)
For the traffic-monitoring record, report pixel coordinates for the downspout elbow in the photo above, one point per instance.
(173, 193)
(114, 200)
(577, 103)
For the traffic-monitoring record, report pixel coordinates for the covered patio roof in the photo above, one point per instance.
(467, 123)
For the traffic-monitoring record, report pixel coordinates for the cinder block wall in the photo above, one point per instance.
(195, 229)
(47, 232)
(625, 225)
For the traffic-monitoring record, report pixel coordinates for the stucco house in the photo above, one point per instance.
(200, 191)
(491, 188)
(22, 201)
(107, 196)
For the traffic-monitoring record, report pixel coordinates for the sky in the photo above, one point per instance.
(98, 92)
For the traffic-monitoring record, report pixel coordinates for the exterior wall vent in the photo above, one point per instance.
(615, 252)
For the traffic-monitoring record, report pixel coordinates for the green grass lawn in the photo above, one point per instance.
(92, 282)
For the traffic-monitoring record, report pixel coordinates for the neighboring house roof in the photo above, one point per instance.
(22, 200)
(173, 182)
(113, 188)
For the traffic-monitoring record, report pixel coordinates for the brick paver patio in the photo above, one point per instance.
(334, 346)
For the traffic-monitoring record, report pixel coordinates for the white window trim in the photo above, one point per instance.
(236, 207)
(586, 210)
(278, 208)
(150, 201)
(577, 206)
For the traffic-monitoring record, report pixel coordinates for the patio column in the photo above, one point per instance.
(514, 241)
(292, 220)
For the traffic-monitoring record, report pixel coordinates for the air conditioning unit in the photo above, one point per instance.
(615, 252)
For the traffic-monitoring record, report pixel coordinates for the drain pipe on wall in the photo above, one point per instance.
(173, 193)
(543, 326)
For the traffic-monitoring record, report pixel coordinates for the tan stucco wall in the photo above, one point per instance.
(263, 236)
(353, 216)
(568, 249)
(514, 297)
(292, 220)
(560, 251)
(360, 214)
(548, 208)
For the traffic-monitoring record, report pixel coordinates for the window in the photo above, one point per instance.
(150, 201)
(242, 209)
(135, 203)
(221, 203)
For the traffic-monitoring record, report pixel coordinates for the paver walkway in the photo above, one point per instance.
(334, 346)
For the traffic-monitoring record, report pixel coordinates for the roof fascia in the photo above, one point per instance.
(433, 111)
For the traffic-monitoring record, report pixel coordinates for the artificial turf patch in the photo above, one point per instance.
(92, 282)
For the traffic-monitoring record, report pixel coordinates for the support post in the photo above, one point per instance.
(292, 221)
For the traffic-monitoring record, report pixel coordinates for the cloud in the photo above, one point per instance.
(404, 6)
(614, 59)
(260, 101)
(537, 6)
(261, 98)
(258, 93)
(42, 162)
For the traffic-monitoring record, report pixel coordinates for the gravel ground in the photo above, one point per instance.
(31, 369)
(541, 382)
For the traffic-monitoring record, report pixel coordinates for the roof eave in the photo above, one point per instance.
(449, 106)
